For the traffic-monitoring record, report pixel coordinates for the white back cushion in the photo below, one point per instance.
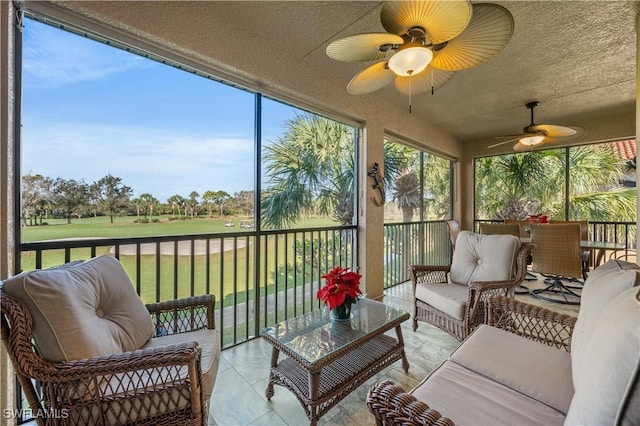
(83, 310)
(480, 257)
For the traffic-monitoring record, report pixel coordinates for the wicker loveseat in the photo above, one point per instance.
(533, 366)
(100, 356)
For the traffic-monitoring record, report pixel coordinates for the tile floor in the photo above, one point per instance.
(238, 397)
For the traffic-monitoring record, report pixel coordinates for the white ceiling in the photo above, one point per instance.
(578, 58)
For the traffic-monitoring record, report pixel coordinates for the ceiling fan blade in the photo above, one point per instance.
(422, 83)
(361, 47)
(489, 31)
(556, 131)
(371, 79)
(443, 20)
(549, 139)
(519, 135)
(505, 142)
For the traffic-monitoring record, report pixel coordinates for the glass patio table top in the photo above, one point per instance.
(315, 336)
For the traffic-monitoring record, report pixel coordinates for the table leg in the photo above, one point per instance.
(314, 389)
(405, 362)
(274, 361)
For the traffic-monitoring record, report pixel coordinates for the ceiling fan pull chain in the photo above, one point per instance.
(432, 81)
(410, 94)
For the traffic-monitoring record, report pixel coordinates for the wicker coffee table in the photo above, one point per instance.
(327, 359)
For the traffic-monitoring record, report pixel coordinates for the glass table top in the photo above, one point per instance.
(315, 335)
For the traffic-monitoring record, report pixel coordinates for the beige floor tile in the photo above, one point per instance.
(238, 397)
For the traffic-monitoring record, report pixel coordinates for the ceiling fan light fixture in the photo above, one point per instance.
(410, 61)
(532, 140)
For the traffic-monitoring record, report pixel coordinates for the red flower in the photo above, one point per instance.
(341, 285)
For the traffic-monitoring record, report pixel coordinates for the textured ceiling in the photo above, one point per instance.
(578, 58)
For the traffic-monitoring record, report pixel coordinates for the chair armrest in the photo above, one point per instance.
(392, 406)
(133, 361)
(532, 322)
(111, 383)
(432, 274)
(183, 315)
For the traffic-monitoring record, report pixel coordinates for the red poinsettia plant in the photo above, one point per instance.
(540, 218)
(342, 286)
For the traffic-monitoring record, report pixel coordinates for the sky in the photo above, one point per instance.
(90, 110)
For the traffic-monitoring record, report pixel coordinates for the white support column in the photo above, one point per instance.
(7, 196)
(371, 214)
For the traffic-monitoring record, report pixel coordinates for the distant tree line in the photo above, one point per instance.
(44, 197)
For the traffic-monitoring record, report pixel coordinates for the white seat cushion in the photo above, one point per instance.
(539, 371)
(468, 398)
(448, 298)
(480, 257)
(83, 310)
(209, 341)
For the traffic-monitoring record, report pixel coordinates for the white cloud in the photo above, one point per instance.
(148, 160)
(54, 58)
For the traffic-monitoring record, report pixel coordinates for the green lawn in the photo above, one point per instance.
(231, 276)
(124, 227)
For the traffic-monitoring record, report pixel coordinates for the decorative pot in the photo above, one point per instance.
(342, 312)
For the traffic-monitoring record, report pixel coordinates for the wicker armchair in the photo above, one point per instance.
(166, 380)
(452, 297)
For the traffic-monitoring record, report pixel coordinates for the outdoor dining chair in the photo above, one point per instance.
(558, 256)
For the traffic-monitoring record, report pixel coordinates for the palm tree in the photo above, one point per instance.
(312, 165)
(208, 200)
(407, 193)
(515, 185)
(176, 201)
(148, 201)
(312, 161)
(193, 203)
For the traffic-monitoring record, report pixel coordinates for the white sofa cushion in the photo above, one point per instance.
(539, 371)
(480, 257)
(607, 389)
(604, 284)
(83, 310)
(469, 398)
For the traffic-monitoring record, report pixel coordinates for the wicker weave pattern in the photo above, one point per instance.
(321, 383)
(155, 386)
(500, 229)
(183, 315)
(557, 250)
(477, 295)
(392, 406)
(532, 322)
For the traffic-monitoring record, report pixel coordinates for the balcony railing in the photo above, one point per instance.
(258, 278)
(413, 243)
(262, 277)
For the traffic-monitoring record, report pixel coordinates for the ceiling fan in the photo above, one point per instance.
(536, 134)
(425, 43)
